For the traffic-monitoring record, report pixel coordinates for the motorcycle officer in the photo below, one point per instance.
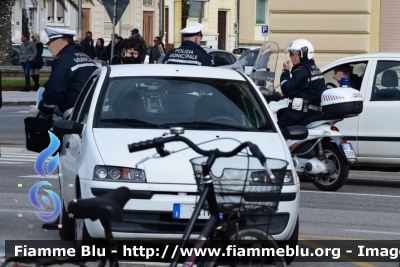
(303, 84)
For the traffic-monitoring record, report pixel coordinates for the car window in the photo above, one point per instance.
(386, 81)
(46, 52)
(82, 96)
(193, 103)
(223, 59)
(232, 59)
(358, 69)
(249, 58)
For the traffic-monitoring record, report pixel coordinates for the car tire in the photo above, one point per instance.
(292, 242)
(81, 233)
(67, 231)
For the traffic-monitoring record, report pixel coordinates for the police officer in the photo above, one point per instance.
(190, 52)
(71, 69)
(305, 85)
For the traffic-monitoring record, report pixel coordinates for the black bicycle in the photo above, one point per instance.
(246, 188)
(234, 189)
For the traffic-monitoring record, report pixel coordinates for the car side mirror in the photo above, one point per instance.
(67, 127)
(295, 132)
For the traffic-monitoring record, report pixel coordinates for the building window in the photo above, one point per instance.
(148, 2)
(194, 9)
(55, 12)
(261, 11)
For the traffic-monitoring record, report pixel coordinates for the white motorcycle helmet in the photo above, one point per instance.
(305, 48)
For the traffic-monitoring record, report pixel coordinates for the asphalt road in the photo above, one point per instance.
(367, 207)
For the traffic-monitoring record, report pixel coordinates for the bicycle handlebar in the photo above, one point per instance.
(160, 141)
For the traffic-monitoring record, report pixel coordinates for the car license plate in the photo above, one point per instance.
(185, 211)
(349, 152)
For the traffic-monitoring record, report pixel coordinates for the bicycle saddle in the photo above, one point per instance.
(107, 207)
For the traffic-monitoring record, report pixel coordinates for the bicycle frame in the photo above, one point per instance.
(214, 222)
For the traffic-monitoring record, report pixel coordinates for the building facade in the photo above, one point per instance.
(218, 19)
(31, 17)
(141, 14)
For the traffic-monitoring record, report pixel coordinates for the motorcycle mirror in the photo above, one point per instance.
(269, 95)
(295, 132)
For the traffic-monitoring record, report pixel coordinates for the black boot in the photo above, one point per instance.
(36, 80)
(26, 89)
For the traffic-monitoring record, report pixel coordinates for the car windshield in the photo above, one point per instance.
(193, 103)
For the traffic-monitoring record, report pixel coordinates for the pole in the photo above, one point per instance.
(113, 31)
(163, 20)
(201, 11)
(177, 23)
(237, 21)
(79, 20)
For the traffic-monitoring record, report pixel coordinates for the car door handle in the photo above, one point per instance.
(67, 145)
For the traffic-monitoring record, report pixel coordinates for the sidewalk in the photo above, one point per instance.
(13, 98)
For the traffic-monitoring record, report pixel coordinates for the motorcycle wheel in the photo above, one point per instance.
(338, 171)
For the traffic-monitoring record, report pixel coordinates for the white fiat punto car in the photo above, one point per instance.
(123, 104)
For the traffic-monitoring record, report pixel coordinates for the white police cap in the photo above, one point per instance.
(56, 33)
(193, 30)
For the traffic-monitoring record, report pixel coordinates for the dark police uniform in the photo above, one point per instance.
(189, 53)
(308, 83)
(71, 70)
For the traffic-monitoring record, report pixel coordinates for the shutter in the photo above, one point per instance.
(389, 26)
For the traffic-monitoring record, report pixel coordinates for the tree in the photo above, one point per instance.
(5, 31)
(185, 12)
(5, 24)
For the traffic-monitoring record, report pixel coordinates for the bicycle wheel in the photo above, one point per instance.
(248, 241)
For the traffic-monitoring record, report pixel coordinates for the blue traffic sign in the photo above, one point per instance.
(264, 29)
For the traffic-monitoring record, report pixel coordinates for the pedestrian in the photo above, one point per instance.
(140, 44)
(303, 84)
(157, 50)
(70, 71)
(128, 54)
(28, 53)
(38, 61)
(190, 52)
(87, 45)
(117, 47)
(100, 52)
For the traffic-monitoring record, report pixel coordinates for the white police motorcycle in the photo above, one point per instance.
(324, 156)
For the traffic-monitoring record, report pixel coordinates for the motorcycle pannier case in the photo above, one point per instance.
(341, 101)
(36, 132)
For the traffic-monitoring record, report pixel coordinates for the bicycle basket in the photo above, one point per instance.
(242, 184)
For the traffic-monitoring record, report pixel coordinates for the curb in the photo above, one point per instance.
(19, 103)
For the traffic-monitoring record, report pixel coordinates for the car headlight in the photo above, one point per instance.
(262, 177)
(119, 174)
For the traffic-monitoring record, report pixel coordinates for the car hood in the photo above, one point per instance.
(176, 168)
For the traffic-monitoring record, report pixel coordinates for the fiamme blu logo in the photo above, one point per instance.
(45, 170)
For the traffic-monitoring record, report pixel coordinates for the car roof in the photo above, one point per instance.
(173, 70)
(369, 55)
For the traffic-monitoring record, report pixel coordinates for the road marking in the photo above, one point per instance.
(355, 194)
(12, 116)
(330, 237)
(39, 176)
(372, 232)
(342, 257)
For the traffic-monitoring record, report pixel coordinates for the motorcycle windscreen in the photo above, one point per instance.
(263, 73)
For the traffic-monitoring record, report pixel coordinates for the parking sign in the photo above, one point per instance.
(264, 30)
